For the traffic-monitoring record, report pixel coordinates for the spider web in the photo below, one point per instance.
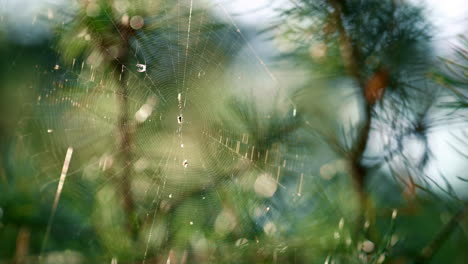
(187, 146)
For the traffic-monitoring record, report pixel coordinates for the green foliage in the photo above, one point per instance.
(206, 156)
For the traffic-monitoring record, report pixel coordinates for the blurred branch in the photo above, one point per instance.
(2, 174)
(125, 128)
(349, 54)
(430, 250)
(22, 245)
(351, 58)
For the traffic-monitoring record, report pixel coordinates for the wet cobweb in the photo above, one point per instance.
(157, 150)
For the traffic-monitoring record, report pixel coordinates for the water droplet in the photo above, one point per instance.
(318, 51)
(225, 222)
(269, 228)
(394, 213)
(366, 224)
(50, 130)
(294, 112)
(137, 22)
(328, 171)
(394, 239)
(143, 113)
(93, 9)
(125, 19)
(141, 165)
(368, 246)
(170, 195)
(141, 67)
(265, 185)
(381, 259)
(201, 74)
(145, 110)
(336, 235)
(50, 14)
(191, 222)
(241, 242)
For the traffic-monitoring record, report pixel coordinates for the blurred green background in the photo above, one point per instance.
(327, 131)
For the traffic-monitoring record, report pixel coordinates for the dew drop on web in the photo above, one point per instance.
(141, 67)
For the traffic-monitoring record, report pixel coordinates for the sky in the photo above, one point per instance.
(450, 16)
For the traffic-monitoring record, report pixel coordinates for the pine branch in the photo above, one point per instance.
(351, 57)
